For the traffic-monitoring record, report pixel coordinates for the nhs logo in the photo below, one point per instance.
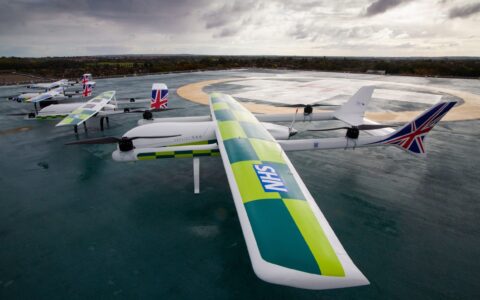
(271, 181)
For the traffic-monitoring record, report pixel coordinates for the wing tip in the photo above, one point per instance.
(289, 277)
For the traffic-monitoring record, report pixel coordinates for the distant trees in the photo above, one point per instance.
(73, 67)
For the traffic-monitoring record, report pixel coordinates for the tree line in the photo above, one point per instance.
(105, 66)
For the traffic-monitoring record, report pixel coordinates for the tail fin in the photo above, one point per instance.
(159, 98)
(86, 78)
(88, 85)
(88, 89)
(411, 136)
(353, 111)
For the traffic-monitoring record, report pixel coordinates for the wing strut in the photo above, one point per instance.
(101, 122)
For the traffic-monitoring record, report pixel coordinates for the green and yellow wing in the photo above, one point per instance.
(289, 240)
(87, 110)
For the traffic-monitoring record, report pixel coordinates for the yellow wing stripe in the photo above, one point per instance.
(314, 237)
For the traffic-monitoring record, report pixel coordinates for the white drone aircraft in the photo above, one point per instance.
(102, 106)
(288, 238)
(50, 85)
(55, 91)
(87, 77)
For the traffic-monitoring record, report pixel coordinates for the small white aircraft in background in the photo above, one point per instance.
(56, 91)
(102, 106)
(78, 113)
(288, 238)
(58, 94)
(87, 77)
(50, 85)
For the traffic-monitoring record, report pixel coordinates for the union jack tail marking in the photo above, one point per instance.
(411, 136)
(86, 78)
(159, 98)
(87, 90)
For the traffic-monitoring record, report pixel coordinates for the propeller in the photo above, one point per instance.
(14, 97)
(124, 143)
(359, 127)
(29, 114)
(17, 114)
(148, 113)
(305, 105)
(292, 131)
(307, 108)
(354, 131)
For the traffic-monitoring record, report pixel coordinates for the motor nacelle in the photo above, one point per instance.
(279, 132)
(110, 107)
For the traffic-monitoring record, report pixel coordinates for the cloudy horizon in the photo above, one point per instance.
(38, 28)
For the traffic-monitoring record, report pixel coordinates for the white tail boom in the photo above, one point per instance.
(409, 137)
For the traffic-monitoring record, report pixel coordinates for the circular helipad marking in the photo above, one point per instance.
(468, 110)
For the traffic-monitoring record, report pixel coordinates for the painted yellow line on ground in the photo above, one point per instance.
(15, 130)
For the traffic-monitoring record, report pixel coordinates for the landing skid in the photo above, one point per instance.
(75, 127)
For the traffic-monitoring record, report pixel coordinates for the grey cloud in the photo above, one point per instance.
(302, 5)
(161, 15)
(226, 32)
(381, 6)
(300, 32)
(230, 17)
(59, 27)
(228, 13)
(315, 31)
(406, 45)
(464, 11)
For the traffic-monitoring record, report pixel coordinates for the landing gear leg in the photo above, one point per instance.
(75, 128)
(101, 123)
(196, 175)
(108, 121)
(85, 126)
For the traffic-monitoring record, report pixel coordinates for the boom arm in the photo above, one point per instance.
(329, 143)
(410, 137)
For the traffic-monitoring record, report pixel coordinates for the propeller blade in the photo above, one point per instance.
(140, 110)
(329, 129)
(113, 140)
(291, 130)
(359, 127)
(102, 140)
(17, 114)
(137, 109)
(162, 109)
(304, 105)
(152, 137)
(374, 126)
(325, 104)
(9, 96)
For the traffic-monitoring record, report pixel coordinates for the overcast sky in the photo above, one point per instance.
(264, 27)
